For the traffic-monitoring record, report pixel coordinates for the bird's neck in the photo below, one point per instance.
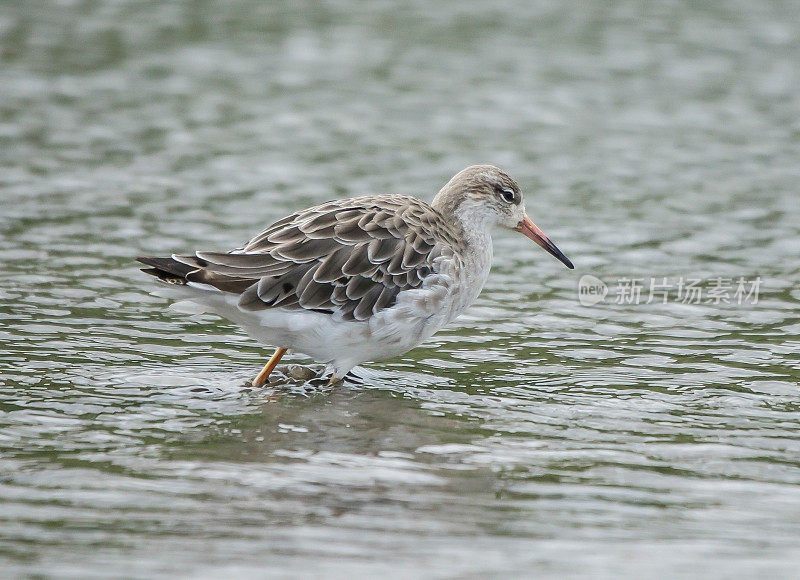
(473, 231)
(475, 225)
(472, 223)
(476, 256)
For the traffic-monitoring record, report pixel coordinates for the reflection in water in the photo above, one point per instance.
(534, 434)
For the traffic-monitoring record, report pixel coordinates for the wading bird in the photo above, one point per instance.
(360, 279)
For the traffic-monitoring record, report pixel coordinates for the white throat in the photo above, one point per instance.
(476, 225)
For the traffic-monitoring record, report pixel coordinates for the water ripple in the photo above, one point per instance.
(534, 434)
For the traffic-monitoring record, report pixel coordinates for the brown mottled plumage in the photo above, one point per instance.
(351, 256)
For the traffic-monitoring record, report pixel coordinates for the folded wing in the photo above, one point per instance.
(351, 257)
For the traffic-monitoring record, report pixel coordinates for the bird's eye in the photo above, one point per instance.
(507, 195)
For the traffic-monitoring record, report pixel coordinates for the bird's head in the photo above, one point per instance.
(484, 196)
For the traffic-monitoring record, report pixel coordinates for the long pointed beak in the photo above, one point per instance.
(530, 229)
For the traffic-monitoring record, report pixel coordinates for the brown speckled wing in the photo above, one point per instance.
(352, 256)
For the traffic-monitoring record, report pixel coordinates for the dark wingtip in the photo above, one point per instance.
(150, 260)
(162, 267)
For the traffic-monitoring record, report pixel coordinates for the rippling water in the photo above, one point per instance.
(535, 436)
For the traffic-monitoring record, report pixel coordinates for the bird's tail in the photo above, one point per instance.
(192, 271)
(169, 270)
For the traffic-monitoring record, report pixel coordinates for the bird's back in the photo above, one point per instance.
(350, 258)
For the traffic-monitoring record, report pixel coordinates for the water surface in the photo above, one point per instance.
(534, 436)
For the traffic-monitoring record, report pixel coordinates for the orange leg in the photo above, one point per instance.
(262, 377)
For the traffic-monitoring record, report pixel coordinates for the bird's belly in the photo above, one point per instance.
(416, 315)
(388, 333)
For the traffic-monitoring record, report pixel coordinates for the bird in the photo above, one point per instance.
(360, 279)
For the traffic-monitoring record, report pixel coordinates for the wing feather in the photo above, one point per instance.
(331, 267)
(350, 256)
(365, 306)
(381, 250)
(357, 261)
(358, 286)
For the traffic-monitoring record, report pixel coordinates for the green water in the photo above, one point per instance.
(534, 437)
